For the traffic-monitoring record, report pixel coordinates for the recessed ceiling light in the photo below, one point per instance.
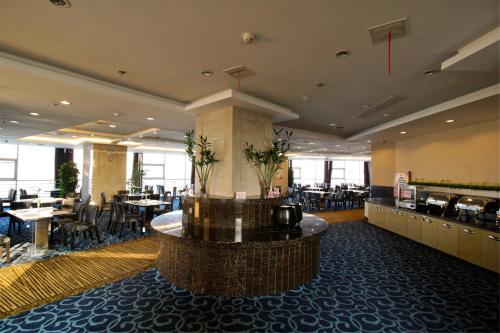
(65, 102)
(91, 134)
(207, 72)
(366, 106)
(431, 72)
(34, 114)
(386, 115)
(337, 145)
(333, 124)
(74, 136)
(150, 118)
(14, 121)
(298, 147)
(112, 126)
(61, 3)
(403, 132)
(342, 53)
(311, 143)
(155, 132)
(368, 141)
(450, 120)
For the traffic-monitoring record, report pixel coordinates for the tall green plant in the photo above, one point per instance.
(68, 178)
(268, 161)
(135, 181)
(206, 161)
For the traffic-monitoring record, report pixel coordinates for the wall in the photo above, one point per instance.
(468, 154)
(383, 164)
(108, 170)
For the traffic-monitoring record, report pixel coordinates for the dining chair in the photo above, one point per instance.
(87, 224)
(104, 204)
(160, 189)
(5, 242)
(15, 205)
(124, 218)
(166, 208)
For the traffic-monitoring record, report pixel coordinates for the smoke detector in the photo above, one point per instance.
(248, 37)
(61, 3)
(397, 28)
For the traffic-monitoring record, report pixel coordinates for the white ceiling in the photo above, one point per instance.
(164, 45)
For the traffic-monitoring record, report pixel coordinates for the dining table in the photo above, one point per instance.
(40, 219)
(148, 205)
(43, 200)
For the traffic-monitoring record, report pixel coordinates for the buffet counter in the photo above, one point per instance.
(477, 244)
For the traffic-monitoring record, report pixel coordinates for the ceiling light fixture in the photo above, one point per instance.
(34, 114)
(14, 122)
(61, 3)
(155, 132)
(112, 126)
(450, 120)
(431, 72)
(368, 141)
(342, 53)
(207, 72)
(311, 143)
(386, 115)
(333, 124)
(65, 102)
(150, 118)
(298, 147)
(403, 132)
(366, 106)
(337, 145)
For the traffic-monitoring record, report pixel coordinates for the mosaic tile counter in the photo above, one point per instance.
(223, 260)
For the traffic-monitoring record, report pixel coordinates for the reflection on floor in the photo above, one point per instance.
(27, 285)
(336, 216)
(370, 280)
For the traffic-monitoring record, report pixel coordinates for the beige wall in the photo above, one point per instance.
(383, 164)
(108, 170)
(228, 130)
(468, 154)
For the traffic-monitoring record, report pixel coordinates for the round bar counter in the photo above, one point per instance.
(223, 261)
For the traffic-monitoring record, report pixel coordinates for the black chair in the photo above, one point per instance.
(10, 197)
(85, 225)
(122, 218)
(160, 189)
(104, 204)
(123, 192)
(77, 214)
(166, 208)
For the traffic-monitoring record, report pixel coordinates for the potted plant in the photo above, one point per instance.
(68, 178)
(206, 161)
(268, 161)
(135, 181)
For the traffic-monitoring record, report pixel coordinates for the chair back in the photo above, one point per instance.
(160, 189)
(339, 195)
(174, 191)
(22, 193)
(103, 198)
(1, 206)
(122, 192)
(119, 210)
(12, 194)
(91, 214)
(15, 205)
(154, 197)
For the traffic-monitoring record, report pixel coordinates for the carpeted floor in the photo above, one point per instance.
(27, 285)
(370, 280)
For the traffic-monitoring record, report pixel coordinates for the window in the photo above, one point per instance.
(7, 169)
(311, 171)
(153, 171)
(338, 173)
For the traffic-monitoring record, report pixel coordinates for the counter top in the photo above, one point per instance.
(390, 202)
(175, 224)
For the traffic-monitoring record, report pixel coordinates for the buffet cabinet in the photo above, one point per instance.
(477, 246)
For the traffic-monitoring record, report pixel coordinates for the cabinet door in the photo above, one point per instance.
(370, 212)
(414, 223)
(490, 247)
(447, 237)
(389, 220)
(469, 244)
(430, 232)
(402, 224)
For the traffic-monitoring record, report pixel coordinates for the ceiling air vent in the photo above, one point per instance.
(239, 72)
(397, 28)
(382, 105)
(61, 3)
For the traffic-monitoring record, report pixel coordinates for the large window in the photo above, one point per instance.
(170, 169)
(26, 167)
(312, 171)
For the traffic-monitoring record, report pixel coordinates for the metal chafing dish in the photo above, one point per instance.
(441, 204)
(477, 209)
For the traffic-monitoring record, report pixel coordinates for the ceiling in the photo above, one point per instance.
(164, 46)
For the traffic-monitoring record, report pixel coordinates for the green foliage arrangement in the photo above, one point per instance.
(135, 181)
(205, 163)
(469, 186)
(68, 178)
(268, 161)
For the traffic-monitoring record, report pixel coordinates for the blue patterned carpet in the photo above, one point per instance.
(370, 281)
